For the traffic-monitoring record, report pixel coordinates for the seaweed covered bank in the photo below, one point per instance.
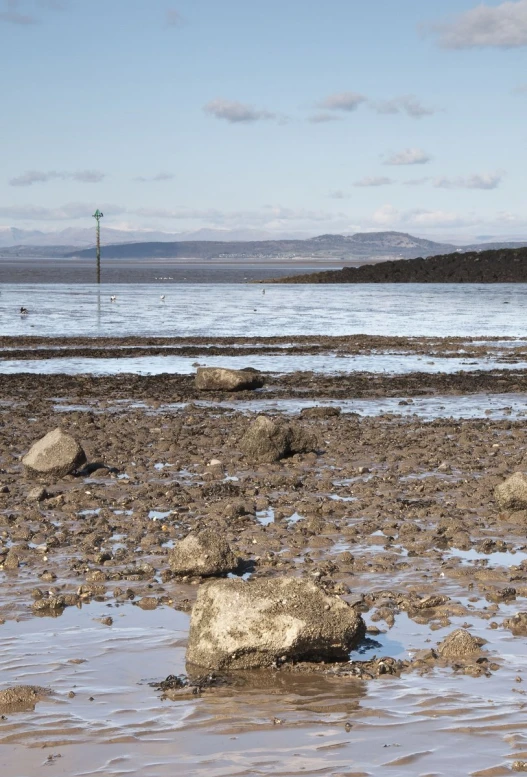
(501, 266)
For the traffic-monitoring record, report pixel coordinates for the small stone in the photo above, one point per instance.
(37, 494)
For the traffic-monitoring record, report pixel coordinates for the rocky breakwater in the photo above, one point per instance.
(265, 623)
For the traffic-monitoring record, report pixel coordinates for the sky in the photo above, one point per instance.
(287, 116)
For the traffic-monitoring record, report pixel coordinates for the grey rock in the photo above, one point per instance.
(321, 412)
(250, 625)
(517, 624)
(21, 697)
(55, 455)
(269, 441)
(512, 493)
(205, 554)
(223, 379)
(459, 644)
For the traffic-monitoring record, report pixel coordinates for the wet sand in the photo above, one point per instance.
(394, 512)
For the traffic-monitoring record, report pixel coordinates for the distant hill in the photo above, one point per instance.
(338, 247)
(358, 248)
(499, 266)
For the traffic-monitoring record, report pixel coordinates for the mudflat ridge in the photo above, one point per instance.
(497, 266)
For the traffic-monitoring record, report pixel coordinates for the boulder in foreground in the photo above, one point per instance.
(267, 441)
(512, 493)
(205, 554)
(239, 625)
(223, 379)
(55, 455)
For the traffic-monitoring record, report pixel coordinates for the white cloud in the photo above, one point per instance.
(416, 181)
(387, 214)
(38, 176)
(174, 18)
(237, 113)
(338, 194)
(374, 181)
(410, 156)
(343, 101)
(70, 211)
(500, 26)
(476, 181)
(13, 15)
(155, 178)
(408, 104)
(323, 118)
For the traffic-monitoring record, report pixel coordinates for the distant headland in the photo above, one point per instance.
(497, 266)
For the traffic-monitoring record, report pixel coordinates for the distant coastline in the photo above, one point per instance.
(498, 266)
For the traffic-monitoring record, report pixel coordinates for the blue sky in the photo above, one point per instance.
(285, 115)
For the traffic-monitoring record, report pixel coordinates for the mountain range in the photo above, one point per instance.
(360, 247)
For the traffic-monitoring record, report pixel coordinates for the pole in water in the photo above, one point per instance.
(98, 216)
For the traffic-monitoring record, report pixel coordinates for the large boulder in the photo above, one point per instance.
(250, 625)
(268, 441)
(512, 493)
(54, 456)
(223, 379)
(205, 554)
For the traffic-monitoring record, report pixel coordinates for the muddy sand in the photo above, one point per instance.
(394, 514)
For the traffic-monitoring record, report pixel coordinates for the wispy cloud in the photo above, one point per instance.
(408, 104)
(323, 118)
(521, 89)
(12, 14)
(499, 26)
(374, 181)
(338, 194)
(476, 181)
(410, 156)
(72, 210)
(416, 181)
(155, 178)
(174, 18)
(238, 113)
(343, 101)
(37, 176)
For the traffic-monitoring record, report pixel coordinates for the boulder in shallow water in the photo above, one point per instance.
(205, 554)
(223, 379)
(267, 441)
(459, 644)
(512, 493)
(250, 625)
(55, 455)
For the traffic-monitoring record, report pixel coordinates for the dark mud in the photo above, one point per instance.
(395, 515)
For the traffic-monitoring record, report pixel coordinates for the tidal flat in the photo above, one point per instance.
(394, 512)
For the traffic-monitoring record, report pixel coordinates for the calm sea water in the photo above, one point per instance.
(255, 310)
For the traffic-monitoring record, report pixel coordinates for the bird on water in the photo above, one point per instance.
(23, 311)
